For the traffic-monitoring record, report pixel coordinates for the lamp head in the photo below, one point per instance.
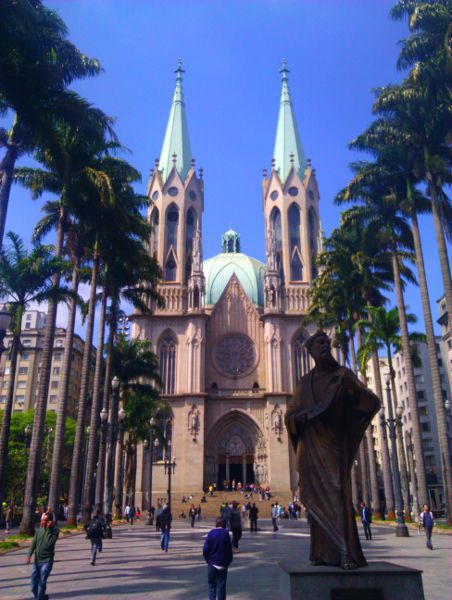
(146, 444)
(103, 415)
(152, 421)
(27, 429)
(115, 383)
(447, 404)
(121, 415)
(387, 376)
(156, 443)
(381, 412)
(399, 410)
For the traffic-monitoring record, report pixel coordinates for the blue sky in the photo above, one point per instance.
(336, 50)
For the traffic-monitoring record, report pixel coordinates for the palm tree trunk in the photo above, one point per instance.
(384, 448)
(60, 427)
(94, 421)
(441, 417)
(7, 168)
(374, 489)
(112, 413)
(34, 461)
(422, 494)
(6, 423)
(442, 249)
(74, 487)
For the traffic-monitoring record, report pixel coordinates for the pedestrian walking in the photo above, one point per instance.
(132, 514)
(366, 520)
(275, 515)
(235, 523)
(198, 512)
(95, 532)
(43, 547)
(158, 514)
(217, 552)
(8, 513)
(192, 515)
(427, 521)
(254, 511)
(127, 512)
(165, 525)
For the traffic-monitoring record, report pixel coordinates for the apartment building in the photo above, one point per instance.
(29, 365)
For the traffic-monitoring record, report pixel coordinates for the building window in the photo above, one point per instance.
(296, 268)
(440, 362)
(5, 384)
(275, 224)
(25, 356)
(28, 317)
(172, 223)
(54, 385)
(425, 426)
(170, 268)
(27, 325)
(6, 371)
(23, 370)
(312, 230)
(20, 399)
(26, 342)
(2, 398)
(420, 395)
(21, 385)
(420, 379)
(56, 371)
(423, 412)
(167, 359)
(57, 356)
(154, 232)
(190, 225)
(301, 359)
(53, 399)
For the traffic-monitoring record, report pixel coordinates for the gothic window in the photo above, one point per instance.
(235, 355)
(196, 297)
(170, 267)
(312, 229)
(172, 222)
(190, 225)
(154, 232)
(167, 362)
(296, 267)
(275, 224)
(301, 359)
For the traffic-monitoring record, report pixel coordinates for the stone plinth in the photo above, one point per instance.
(378, 581)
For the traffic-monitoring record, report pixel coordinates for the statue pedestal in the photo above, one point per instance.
(377, 581)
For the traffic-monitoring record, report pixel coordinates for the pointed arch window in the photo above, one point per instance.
(172, 224)
(170, 267)
(312, 231)
(301, 359)
(190, 226)
(275, 224)
(154, 232)
(167, 362)
(296, 266)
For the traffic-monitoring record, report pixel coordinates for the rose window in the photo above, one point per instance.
(235, 355)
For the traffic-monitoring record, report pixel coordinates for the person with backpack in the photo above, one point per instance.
(95, 532)
(235, 523)
(165, 525)
(427, 521)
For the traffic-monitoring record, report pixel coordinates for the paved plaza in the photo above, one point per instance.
(133, 566)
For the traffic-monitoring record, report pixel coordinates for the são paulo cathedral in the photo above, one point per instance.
(229, 338)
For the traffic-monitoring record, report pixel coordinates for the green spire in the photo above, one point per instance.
(288, 146)
(176, 147)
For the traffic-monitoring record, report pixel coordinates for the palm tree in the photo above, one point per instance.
(79, 185)
(136, 367)
(25, 277)
(37, 64)
(382, 329)
(379, 211)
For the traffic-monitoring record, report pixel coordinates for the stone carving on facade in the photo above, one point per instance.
(277, 421)
(270, 250)
(193, 422)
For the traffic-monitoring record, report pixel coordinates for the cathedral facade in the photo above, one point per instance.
(230, 336)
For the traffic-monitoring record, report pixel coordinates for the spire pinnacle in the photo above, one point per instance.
(288, 151)
(176, 149)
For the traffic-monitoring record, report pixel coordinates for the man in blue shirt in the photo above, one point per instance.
(366, 520)
(427, 522)
(217, 552)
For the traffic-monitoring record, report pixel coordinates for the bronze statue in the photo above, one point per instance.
(326, 421)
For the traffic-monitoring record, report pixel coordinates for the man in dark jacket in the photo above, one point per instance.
(217, 552)
(94, 532)
(254, 511)
(235, 525)
(43, 547)
(366, 520)
(165, 525)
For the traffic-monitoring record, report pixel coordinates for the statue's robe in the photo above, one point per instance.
(326, 444)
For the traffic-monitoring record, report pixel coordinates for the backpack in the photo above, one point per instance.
(94, 529)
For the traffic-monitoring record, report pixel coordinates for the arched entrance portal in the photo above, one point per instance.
(235, 451)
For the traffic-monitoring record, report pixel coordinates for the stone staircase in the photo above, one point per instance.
(211, 508)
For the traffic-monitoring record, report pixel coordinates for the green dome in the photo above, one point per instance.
(219, 270)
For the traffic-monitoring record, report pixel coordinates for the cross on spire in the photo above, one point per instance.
(179, 70)
(284, 70)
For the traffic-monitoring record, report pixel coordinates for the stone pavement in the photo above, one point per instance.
(133, 566)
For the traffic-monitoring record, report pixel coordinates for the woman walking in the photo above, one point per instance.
(427, 522)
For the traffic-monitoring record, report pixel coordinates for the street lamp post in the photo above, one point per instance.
(401, 528)
(27, 433)
(100, 474)
(170, 465)
(153, 443)
(111, 448)
(119, 491)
